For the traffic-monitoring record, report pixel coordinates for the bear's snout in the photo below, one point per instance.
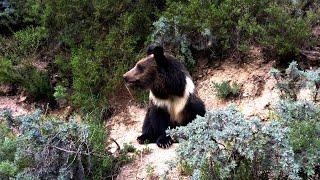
(129, 77)
(125, 78)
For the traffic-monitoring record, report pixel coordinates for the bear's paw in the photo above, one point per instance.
(164, 142)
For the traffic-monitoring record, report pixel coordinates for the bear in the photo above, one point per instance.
(172, 98)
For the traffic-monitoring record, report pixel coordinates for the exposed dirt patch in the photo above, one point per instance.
(15, 104)
(257, 91)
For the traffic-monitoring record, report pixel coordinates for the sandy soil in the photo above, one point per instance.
(257, 91)
(258, 94)
(15, 104)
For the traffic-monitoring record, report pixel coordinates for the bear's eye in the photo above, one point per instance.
(140, 68)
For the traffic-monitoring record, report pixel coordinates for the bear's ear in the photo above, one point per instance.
(150, 49)
(158, 54)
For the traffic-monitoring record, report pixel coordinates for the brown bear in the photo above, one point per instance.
(172, 97)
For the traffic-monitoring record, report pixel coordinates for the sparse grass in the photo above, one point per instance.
(128, 148)
(185, 169)
(226, 90)
(150, 170)
(146, 150)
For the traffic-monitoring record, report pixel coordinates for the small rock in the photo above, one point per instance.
(22, 98)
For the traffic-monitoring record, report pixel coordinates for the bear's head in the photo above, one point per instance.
(145, 71)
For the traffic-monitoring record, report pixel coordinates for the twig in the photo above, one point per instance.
(129, 91)
(45, 113)
(218, 142)
(118, 146)
(75, 152)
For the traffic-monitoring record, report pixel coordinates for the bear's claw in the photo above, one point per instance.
(164, 142)
(143, 139)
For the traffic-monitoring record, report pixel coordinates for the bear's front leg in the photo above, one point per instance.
(148, 133)
(143, 139)
(160, 120)
(154, 128)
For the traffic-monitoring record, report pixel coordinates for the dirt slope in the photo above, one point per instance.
(15, 104)
(258, 94)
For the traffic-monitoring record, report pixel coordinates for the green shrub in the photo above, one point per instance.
(61, 95)
(303, 120)
(128, 148)
(99, 37)
(30, 39)
(18, 14)
(103, 42)
(63, 70)
(36, 83)
(225, 145)
(87, 80)
(60, 92)
(285, 34)
(7, 74)
(230, 27)
(225, 90)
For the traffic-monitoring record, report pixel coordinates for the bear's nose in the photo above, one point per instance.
(126, 79)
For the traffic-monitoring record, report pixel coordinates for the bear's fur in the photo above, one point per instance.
(172, 97)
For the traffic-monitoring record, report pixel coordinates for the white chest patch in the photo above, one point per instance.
(175, 105)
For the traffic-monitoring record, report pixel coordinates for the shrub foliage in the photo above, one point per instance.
(38, 147)
(232, 26)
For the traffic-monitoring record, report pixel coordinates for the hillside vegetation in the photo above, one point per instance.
(73, 53)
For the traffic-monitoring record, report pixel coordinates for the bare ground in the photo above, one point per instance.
(15, 104)
(258, 95)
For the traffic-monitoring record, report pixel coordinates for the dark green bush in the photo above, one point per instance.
(230, 27)
(87, 79)
(30, 39)
(35, 82)
(104, 39)
(283, 33)
(7, 74)
(18, 15)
